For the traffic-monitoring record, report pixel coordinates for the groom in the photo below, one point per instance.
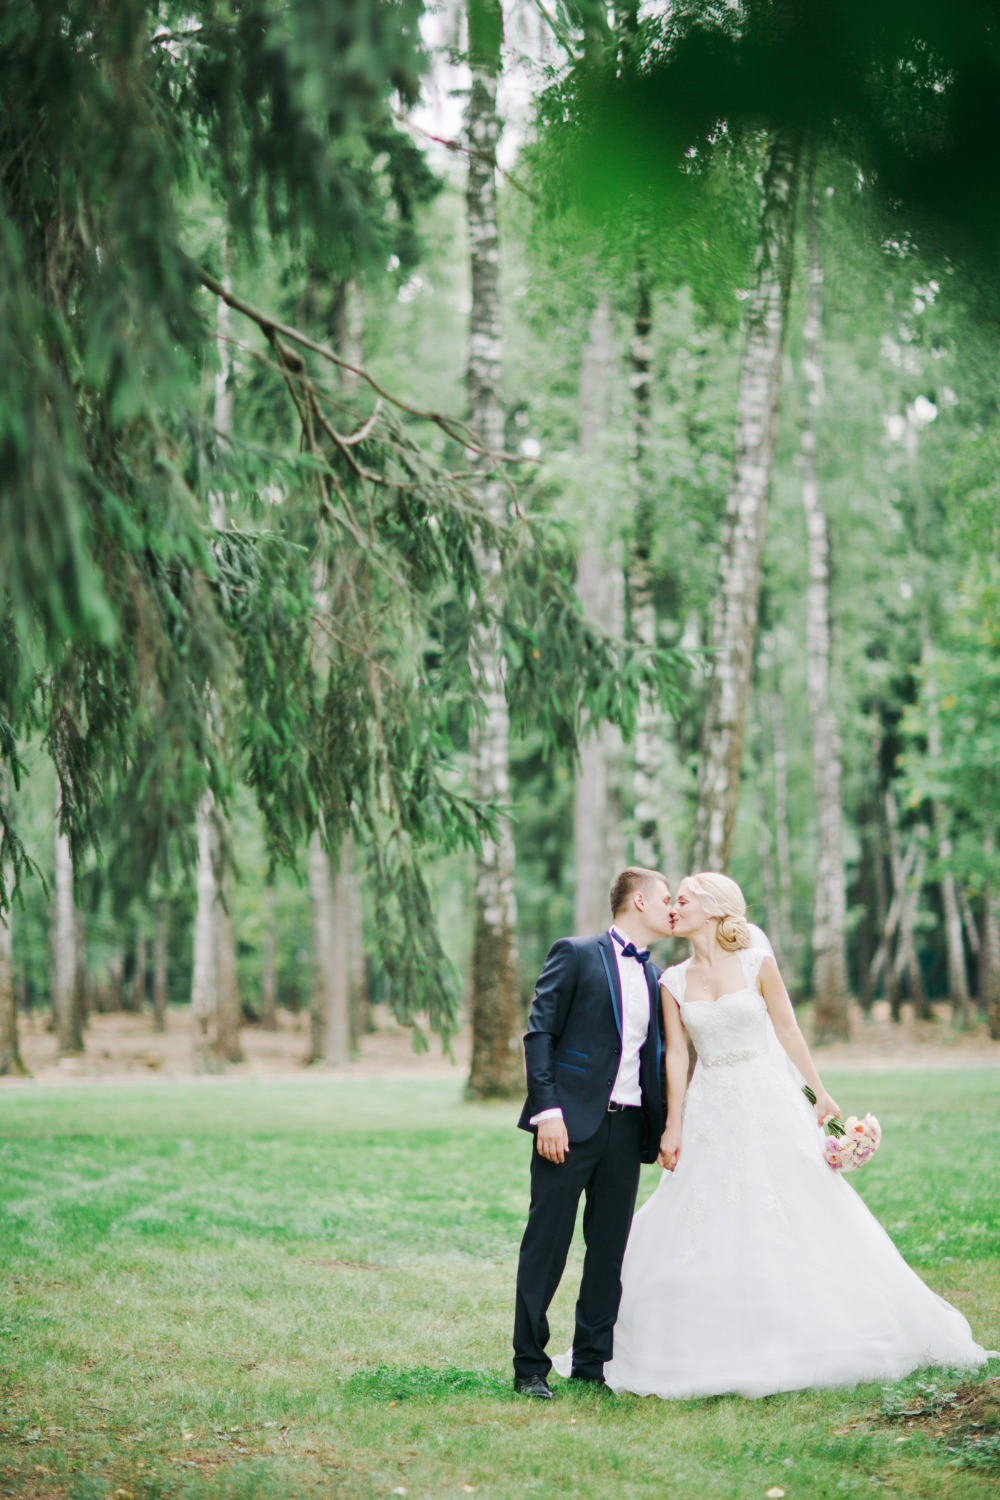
(596, 1103)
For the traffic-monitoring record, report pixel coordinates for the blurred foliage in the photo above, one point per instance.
(315, 647)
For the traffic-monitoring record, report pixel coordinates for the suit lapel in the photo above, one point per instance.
(610, 961)
(653, 986)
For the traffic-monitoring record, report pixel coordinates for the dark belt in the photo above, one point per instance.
(617, 1109)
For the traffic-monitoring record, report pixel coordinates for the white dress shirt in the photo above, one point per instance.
(635, 1025)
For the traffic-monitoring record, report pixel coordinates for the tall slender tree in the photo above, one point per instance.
(66, 1012)
(646, 808)
(496, 1069)
(598, 827)
(329, 1023)
(831, 1014)
(331, 876)
(215, 1003)
(734, 625)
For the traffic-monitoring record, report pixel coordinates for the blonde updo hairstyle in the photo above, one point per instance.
(721, 897)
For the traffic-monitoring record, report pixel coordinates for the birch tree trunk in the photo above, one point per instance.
(269, 966)
(215, 1003)
(329, 1017)
(646, 843)
(205, 958)
(598, 833)
(831, 1013)
(734, 628)
(496, 1069)
(69, 1030)
(330, 877)
(160, 968)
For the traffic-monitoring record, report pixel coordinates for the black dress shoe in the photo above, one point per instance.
(582, 1379)
(533, 1385)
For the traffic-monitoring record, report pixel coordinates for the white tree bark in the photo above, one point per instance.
(496, 1069)
(269, 966)
(329, 1017)
(67, 1017)
(831, 1014)
(734, 630)
(598, 828)
(204, 964)
(215, 1004)
(647, 749)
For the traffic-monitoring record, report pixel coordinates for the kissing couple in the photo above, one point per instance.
(722, 1281)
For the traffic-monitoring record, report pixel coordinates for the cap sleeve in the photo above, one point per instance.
(751, 960)
(672, 980)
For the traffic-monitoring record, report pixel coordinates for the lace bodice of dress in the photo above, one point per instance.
(732, 1028)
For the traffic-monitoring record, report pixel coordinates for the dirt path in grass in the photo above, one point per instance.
(124, 1046)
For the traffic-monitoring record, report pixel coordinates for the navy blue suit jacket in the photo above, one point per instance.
(573, 1045)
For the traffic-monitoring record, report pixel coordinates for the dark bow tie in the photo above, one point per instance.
(641, 955)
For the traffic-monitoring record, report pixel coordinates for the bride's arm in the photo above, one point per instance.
(677, 1074)
(779, 1008)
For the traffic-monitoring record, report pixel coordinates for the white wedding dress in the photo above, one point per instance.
(754, 1267)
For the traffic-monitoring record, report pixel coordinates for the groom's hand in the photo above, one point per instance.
(552, 1140)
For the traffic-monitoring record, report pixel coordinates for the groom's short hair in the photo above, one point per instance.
(633, 879)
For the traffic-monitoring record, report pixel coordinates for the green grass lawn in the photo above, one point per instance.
(296, 1289)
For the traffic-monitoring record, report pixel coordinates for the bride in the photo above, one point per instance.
(755, 1268)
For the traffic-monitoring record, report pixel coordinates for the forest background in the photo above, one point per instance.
(450, 452)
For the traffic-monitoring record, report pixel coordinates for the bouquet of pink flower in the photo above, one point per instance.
(849, 1143)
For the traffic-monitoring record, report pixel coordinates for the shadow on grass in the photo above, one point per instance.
(426, 1383)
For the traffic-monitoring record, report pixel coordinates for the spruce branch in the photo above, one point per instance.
(459, 431)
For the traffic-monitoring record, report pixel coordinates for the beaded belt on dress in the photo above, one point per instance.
(724, 1059)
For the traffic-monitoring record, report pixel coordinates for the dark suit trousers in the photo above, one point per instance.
(606, 1170)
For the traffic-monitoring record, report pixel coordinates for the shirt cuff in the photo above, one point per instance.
(546, 1114)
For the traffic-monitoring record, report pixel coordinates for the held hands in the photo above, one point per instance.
(552, 1140)
(670, 1149)
(827, 1107)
